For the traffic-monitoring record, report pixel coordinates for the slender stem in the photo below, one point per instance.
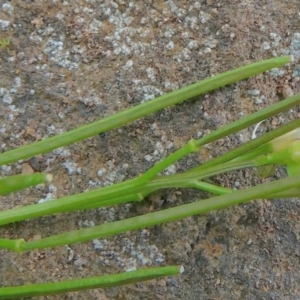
(250, 120)
(107, 196)
(107, 281)
(131, 186)
(72, 203)
(188, 148)
(295, 192)
(18, 182)
(252, 148)
(167, 215)
(186, 179)
(142, 110)
(137, 197)
(182, 183)
(207, 187)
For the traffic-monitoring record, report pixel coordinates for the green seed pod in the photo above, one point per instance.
(19, 182)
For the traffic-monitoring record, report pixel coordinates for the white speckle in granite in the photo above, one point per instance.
(80, 262)
(169, 33)
(236, 184)
(197, 5)
(266, 46)
(262, 28)
(131, 265)
(185, 35)
(110, 164)
(275, 38)
(4, 24)
(7, 7)
(295, 45)
(62, 152)
(211, 42)
(17, 83)
(186, 53)
(10, 117)
(249, 242)
(192, 22)
(88, 10)
(13, 109)
(259, 100)
(204, 17)
(226, 28)
(144, 20)
(125, 166)
(151, 74)
(207, 50)
(170, 170)
(276, 72)
(169, 145)
(128, 65)
(35, 38)
(171, 85)
(97, 245)
(61, 115)
(70, 254)
(86, 223)
(48, 197)
(52, 189)
(148, 92)
(159, 147)
(170, 45)
(101, 172)
(160, 258)
(254, 92)
(92, 184)
(47, 31)
(5, 95)
(95, 25)
(148, 158)
(54, 50)
(59, 16)
(128, 20)
(193, 45)
(71, 167)
(6, 169)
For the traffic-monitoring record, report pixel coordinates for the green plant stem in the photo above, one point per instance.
(251, 149)
(250, 120)
(107, 281)
(67, 203)
(187, 179)
(95, 198)
(18, 182)
(171, 214)
(194, 145)
(142, 110)
(111, 195)
(295, 192)
(136, 197)
(193, 183)
(187, 149)
(135, 185)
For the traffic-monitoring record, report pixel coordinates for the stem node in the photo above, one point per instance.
(193, 146)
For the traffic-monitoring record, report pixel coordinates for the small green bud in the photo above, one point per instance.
(294, 150)
(284, 141)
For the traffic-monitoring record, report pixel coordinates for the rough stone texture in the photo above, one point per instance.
(73, 62)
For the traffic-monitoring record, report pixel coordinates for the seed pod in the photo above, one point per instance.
(18, 182)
